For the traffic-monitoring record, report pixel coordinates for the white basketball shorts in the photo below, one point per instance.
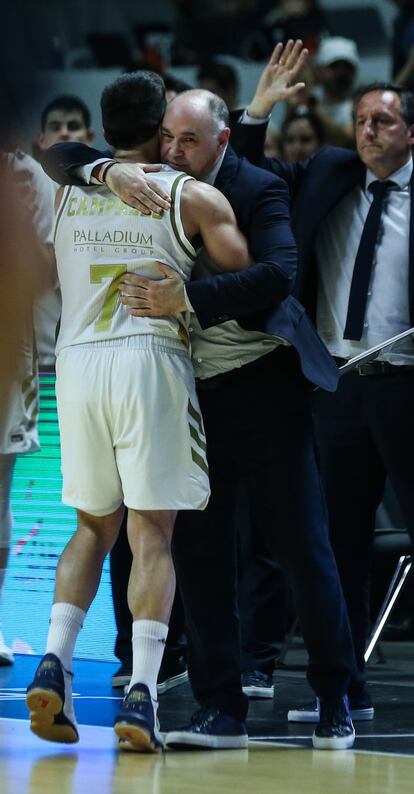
(131, 428)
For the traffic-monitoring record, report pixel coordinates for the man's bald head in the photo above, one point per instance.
(194, 132)
(203, 101)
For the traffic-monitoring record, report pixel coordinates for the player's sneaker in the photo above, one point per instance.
(256, 684)
(334, 730)
(209, 729)
(6, 654)
(136, 724)
(45, 700)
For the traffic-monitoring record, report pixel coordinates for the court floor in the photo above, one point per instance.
(279, 759)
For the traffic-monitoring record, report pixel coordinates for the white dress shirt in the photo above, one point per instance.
(387, 310)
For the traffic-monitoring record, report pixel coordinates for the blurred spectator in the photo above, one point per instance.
(220, 78)
(336, 68)
(403, 44)
(222, 27)
(290, 19)
(272, 143)
(174, 86)
(301, 134)
(64, 118)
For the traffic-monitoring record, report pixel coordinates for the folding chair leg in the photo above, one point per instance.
(401, 572)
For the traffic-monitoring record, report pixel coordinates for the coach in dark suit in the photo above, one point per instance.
(255, 403)
(353, 220)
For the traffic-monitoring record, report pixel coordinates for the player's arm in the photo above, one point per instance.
(206, 212)
(35, 201)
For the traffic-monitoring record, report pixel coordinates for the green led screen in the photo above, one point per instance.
(42, 526)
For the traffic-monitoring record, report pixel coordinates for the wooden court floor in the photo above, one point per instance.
(279, 759)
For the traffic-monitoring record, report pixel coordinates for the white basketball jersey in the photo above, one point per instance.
(98, 238)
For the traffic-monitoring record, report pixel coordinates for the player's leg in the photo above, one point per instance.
(49, 696)
(162, 471)
(150, 596)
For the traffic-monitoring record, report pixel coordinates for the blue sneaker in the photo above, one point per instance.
(45, 699)
(334, 730)
(136, 724)
(256, 684)
(209, 729)
(360, 709)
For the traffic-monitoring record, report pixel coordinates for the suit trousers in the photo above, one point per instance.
(365, 431)
(264, 601)
(259, 429)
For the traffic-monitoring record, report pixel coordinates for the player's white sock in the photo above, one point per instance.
(66, 621)
(148, 642)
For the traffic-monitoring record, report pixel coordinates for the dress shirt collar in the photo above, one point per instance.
(402, 176)
(210, 178)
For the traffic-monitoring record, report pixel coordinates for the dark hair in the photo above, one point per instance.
(132, 108)
(312, 118)
(406, 98)
(67, 103)
(222, 73)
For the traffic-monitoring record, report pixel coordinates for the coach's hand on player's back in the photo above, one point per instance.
(144, 297)
(129, 181)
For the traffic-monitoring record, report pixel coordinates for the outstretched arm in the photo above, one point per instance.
(64, 163)
(61, 160)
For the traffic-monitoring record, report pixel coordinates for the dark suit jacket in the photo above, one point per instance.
(316, 186)
(258, 298)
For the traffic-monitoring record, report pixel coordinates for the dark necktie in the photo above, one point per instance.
(363, 262)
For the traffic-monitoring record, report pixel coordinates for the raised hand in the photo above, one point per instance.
(277, 81)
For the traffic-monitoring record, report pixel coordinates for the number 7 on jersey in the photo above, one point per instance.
(97, 274)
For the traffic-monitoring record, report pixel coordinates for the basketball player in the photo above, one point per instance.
(131, 429)
(19, 412)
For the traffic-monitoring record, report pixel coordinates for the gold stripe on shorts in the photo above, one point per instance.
(194, 434)
(196, 416)
(199, 461)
